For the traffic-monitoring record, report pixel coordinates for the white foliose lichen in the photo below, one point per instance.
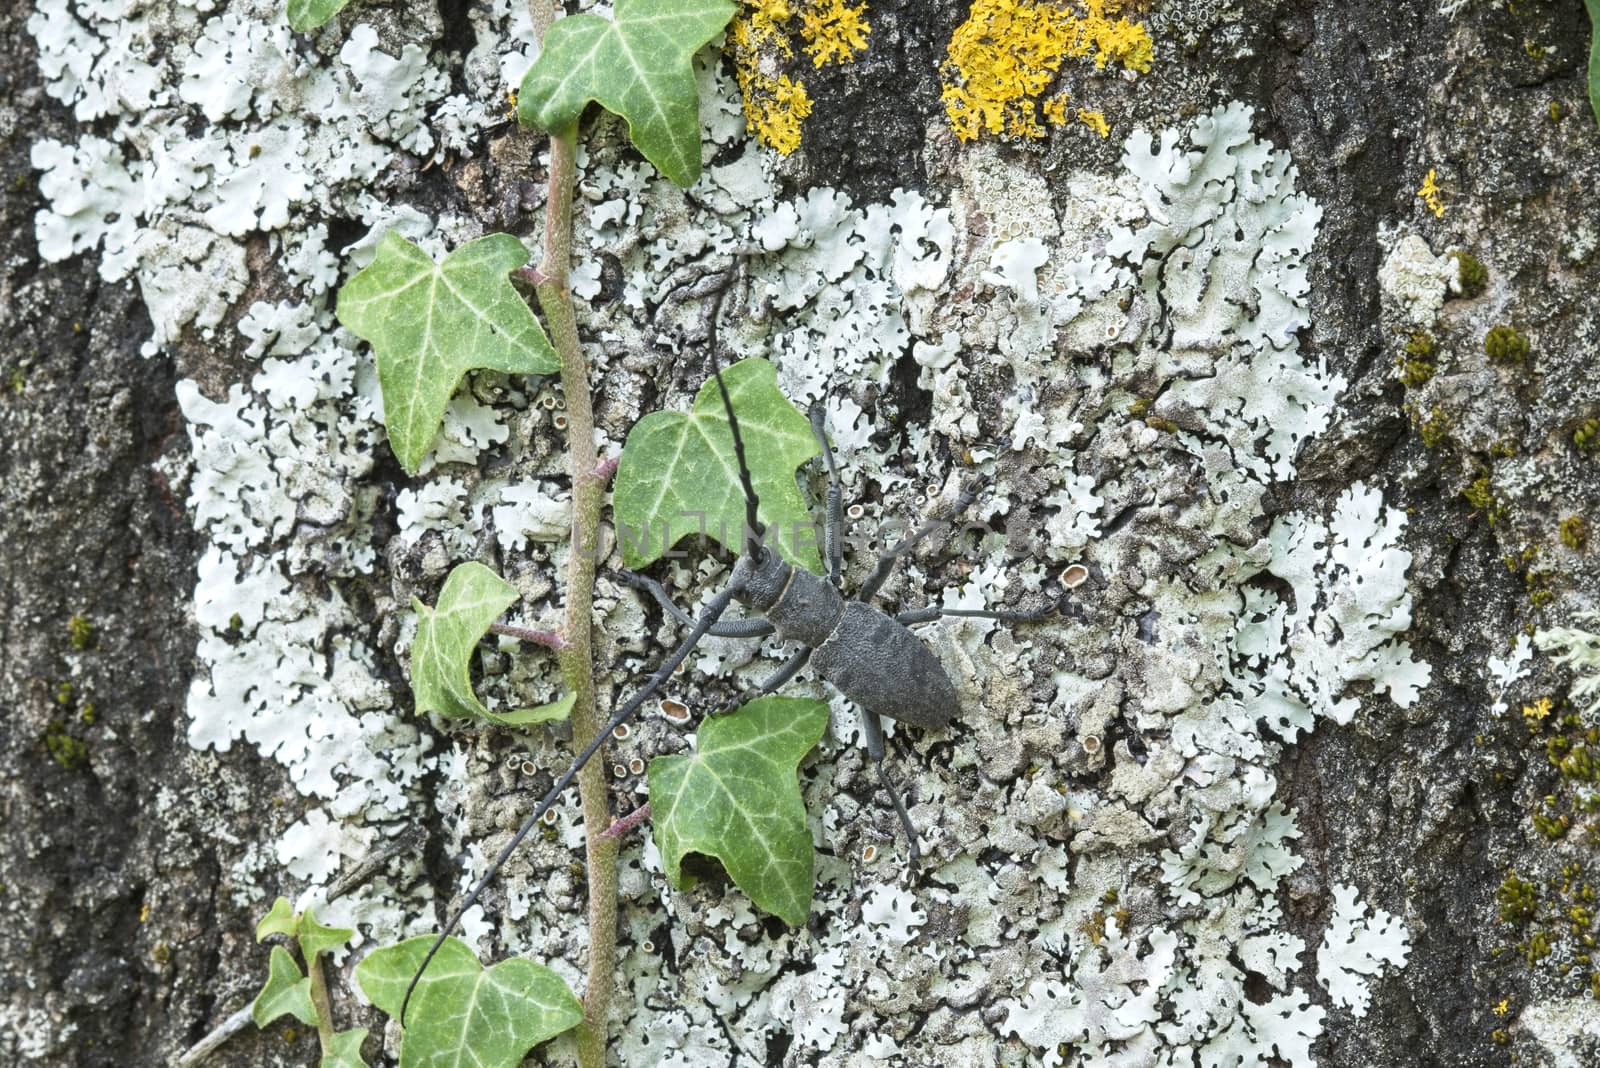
(225, 128)
(1350, 605)
(1505, 672)
(1578, 649)
(1177, 289)
(1416, 280)
(1356, 948)
(1198, 299)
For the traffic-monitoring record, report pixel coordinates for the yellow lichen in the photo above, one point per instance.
(999, 62)
(1429, 192)
(1096, 121)
(774, 108)
(787, 108)
(774, 12)
(1537, 711)
(1006, 55)
(834, 31)
(758, 29)
(1127, 43)
(1055, 110)
(775, 104)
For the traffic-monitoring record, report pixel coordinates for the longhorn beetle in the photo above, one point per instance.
(870, 656)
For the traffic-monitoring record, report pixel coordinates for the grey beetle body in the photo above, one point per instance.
(886, 669)
(874, 661)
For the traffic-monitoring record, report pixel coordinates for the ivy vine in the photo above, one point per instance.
(429, 323)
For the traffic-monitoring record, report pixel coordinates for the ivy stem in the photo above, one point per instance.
(547, 638)
(628, 822)
(531, 275)
(319, 998)
(576, 657)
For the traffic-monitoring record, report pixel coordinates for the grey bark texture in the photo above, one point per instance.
(124, 942)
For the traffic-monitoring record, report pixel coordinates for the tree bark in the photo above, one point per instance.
(134, 865)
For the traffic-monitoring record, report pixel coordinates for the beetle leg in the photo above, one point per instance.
(786, 671)
(886, 562)
(753, 627)
(872, 732)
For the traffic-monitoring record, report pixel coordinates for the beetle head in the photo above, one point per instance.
(761, 578)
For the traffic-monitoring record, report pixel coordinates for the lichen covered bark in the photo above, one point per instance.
(1292, 357)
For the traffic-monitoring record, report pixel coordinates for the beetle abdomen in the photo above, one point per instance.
(886, 669)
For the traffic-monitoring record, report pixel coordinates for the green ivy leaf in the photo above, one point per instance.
(430, 323)
(316, 939)
(288, 991)
(738, 799)
(306, 15)
(675, 468)
(346, 1052)
(558, 709)
(279, 920)
(472, 598)
(639, 67)
(463, 1014)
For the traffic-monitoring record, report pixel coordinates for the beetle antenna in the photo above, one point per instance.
(755, 530)
(703, 625)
